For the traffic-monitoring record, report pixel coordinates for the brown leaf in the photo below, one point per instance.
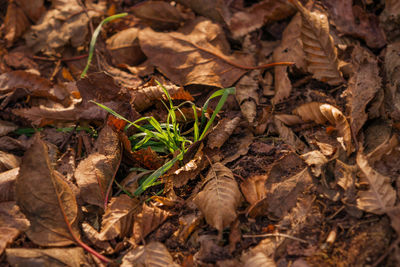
(7, 182)
(380, 196)
(118, 218)
(318, 45)
(254, 17)
(6, 127)
(12, 223)
(254, 191)
(247, 96)
(15, 23)
(124, 47)
(316, 160)
(58, 257)
(217, 10)
(355, 21)
(389, 19)
(345, 176)
(200, 54)
(321, 113)
(219, 197)
(65, 23)
(363, 86)
(288, 136)
(147, 221)
(45, 199)
(282, 196)
(8, 161)
(93, 236)
(283, 86)
(222, 132)
(383, 149)
(95, 174)
(242, 149)
(153, 254)
(392, 63)
(259, 259)
(158, 14)
(146, 157)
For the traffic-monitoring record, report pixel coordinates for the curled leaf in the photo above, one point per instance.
(219, 197)
(318, 45)
(222, 132)
(153, 254)
(259, 259)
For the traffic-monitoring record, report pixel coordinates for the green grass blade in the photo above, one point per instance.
(94, 39)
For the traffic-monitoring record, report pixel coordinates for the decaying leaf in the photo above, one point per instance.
(93, 236)
(252, 18)
(383, 149)
(158, 14)
(124, 47)
(200, 54)
(59, 257)
(7, 127)
(316, 160)
(390, 19)
(259, 259)
(153, 254)
(118, 218)
(8, 161)
(222, 132)
(392, 59)
(46, 199)
(254, 191)
(288, 136)
(318, 45)
(381, 195)
(7, 182)
(219, 197)
(243, 147)
(66, 22)
(363, 85)
(247, 96)
(95, 174)
(322, 113)
(345, 176)
(217, 10)
(147, 221)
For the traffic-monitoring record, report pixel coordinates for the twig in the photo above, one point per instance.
(278, 235)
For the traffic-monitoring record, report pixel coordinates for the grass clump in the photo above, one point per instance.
(168, 137)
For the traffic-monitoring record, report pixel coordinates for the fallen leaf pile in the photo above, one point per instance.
(301, 166)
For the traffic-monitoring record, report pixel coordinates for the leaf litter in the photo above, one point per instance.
(309, 136)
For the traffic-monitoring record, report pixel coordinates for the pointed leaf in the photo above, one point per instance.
(222, 132)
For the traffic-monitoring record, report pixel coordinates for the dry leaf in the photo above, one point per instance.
(288, 136)
(7, 236)
(383, 149)
(200, 54)
(363, 86)
(95, 174)
(7, 182)
(118, 218)
(93, 236)
(58, 257)
(147, 221)
(243, 147)
(8, 161)
(6, 127)
(219, 197)
(380, 196)
(321, 113)
(66, 23)
(254, 191)
(259, 259)
(222, 132)
(247, 96)
(318, 45)
(217, 10)
(355, 21)
(254, 17)
(392, 63)
(283, 86)
(154, 254)
(316, 160)
(124, 47)
(390, 18)
(345, 176)
(46, 199)
(158, 14)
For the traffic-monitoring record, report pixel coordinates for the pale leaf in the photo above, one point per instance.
(219, 197)
(316, 160)
(222, 132)
(259, 259)
(318, 45)
(381, 195)
(288, 136)
(247, 96)
(153, 254)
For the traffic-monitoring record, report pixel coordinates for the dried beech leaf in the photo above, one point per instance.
(145, 96)
(217, 10)
(147, 221)
(321, 113)
(243, 147)
(7, 127)
(316, 160)
(254, 191)
(46, 199)
(289, 119)
(222, 132)
(392, 68)
(8, 161)
(118, 217)
(154, 254)
(124, 47)
(15, 22)
(318, 45)
(283, 86)
(384, 149)
(247, 96)
(363, 86)
(58, 257)
(288, 136)
(200, 53)
(390, 18)
(7, 182)
(146, 157)
(381, 195)
(66, 23)
(158, 14)
(93, 236)
(345, 176)
(95, 173)
(259, 259)
(254, 17)
(219, 197)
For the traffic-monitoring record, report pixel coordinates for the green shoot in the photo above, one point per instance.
(94, 39)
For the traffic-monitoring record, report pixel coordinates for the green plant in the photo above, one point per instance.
(167, 137)
(94, 39)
